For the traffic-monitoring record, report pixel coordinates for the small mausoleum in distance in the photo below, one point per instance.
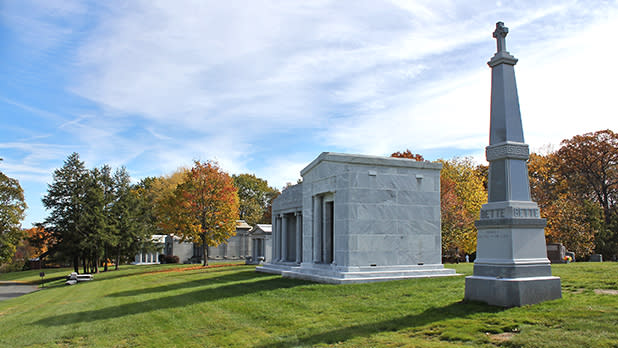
(357, 218)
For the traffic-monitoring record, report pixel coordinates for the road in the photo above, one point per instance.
(10, 290)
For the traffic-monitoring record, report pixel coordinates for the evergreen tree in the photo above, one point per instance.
(65, 199)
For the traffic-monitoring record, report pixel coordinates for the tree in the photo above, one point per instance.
(39, 239)
(157, 196)
(570, 219)
(462, 194)
(208, 206)
(12, 209)
(409, 155)
(590, 163)
(131, 217)
(254, 197)
(65, 199)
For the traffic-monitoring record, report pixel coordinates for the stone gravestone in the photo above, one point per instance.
(556, 252)
(511, 268)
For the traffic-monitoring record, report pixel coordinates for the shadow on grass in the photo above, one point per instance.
(233, 277)
(454, 310)
(174, 301)
(126, 271)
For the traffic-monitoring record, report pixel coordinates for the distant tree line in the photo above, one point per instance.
(96, 215)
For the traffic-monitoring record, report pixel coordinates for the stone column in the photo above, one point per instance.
(278, 245)
(511, 268)
(284, 237)
(317, 229)
(275, 239)
(299, 236)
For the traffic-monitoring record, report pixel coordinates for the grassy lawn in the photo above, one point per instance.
(178, 305)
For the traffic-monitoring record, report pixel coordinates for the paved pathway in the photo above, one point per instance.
(9, 290)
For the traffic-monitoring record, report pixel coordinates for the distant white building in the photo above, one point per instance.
(151, 257)
(261, 246)
(237, 247)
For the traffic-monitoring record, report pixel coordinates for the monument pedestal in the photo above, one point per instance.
(511, 268)
(512, 292)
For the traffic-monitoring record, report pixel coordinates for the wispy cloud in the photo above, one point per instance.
(264, 86)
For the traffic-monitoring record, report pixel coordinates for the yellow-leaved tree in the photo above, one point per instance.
(462, 194)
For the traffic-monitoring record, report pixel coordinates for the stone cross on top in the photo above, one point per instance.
(500, 35)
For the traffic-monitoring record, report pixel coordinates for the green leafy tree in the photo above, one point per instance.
(254, 197)
(12, 208)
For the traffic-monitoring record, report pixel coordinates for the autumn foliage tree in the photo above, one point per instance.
(570, 220)
(409, 155)
(577, 190)
(206, 206)
(462, 194)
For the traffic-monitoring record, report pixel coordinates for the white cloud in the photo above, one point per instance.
(263, 86)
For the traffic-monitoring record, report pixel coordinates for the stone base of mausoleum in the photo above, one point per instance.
(512, 292)
(332, 274)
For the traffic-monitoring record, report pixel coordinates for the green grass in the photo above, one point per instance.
(139, 306)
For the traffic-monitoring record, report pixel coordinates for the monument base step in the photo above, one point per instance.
(512, 292)
(322, 274)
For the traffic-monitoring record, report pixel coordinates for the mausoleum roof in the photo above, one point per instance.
(369, 160)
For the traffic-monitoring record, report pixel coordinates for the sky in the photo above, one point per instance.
(264, 87)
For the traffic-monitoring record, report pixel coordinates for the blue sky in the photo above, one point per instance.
(265, 86)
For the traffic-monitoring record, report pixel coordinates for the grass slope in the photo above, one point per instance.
(148, 306)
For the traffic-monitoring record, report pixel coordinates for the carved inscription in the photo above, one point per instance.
(492, 234)
(492, 213)
(525, 213)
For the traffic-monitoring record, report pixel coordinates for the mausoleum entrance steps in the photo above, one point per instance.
(330, 273)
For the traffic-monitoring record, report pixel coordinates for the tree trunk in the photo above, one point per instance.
(84, 260)
(95, 263)
(205, 249)
(105, 260)
(76, 263)
(117, 258)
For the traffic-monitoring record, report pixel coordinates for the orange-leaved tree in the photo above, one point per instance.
(571, 219)
(409, 155)
(207, 204)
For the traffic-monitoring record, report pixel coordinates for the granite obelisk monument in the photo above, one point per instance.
(511, 266)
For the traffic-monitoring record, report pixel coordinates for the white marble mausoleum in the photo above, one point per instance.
(357, 218)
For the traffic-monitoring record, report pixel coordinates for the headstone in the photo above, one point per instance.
(556, 252)
(511, 266)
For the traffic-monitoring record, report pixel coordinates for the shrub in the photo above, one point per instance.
(172, 259)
